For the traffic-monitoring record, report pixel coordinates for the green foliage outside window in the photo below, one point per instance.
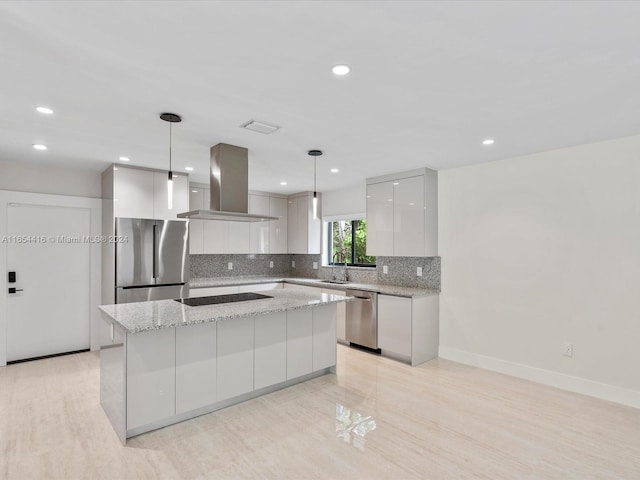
(344, 234)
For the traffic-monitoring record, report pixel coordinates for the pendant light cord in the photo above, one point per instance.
(315, 173)
(170, 124)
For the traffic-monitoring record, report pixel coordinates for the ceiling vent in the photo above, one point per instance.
(259, 127)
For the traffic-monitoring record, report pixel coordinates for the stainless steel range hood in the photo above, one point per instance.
(229, 174)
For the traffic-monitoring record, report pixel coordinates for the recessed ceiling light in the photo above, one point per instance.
(45, 110)
(38, 146)
(283, 183)
(341, 69)
(488, 141)
(194, 191)
(334, 170)
(189, 169)
(125, 159)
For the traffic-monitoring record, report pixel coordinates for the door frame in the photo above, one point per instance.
(95, 277)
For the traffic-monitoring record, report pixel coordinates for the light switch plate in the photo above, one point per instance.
(230, 265)
(293, 264)
(419, 271)
(385, 269)
(315, 265)
(270, 264)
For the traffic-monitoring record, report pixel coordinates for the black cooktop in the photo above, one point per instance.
(215, 299)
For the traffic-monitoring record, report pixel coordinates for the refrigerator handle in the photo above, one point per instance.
(155, 254)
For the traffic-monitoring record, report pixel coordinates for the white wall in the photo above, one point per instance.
(25, 177)
(345, 203)
(541, 250)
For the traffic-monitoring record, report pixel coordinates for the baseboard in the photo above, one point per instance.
(603, 391)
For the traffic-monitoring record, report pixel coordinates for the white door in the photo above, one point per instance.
(51, 259)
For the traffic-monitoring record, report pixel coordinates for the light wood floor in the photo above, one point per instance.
(441, 420)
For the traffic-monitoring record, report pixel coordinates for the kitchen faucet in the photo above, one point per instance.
(346, 273)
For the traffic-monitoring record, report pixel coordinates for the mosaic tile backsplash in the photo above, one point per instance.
(401, 271)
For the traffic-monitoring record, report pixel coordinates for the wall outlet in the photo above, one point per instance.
(385, 269)
(230, 265)
(567, 349)
(419, 271)
(293, 264)
(315, 265)
(270, 264)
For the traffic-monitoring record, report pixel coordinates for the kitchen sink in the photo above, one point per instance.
(338, 282)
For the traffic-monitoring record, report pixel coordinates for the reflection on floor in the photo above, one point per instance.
(441, 420)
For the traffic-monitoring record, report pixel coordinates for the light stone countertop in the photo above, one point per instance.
(385, 289)
(154, 315)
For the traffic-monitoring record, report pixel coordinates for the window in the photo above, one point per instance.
(347, 241)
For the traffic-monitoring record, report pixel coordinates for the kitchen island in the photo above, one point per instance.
(163, 362)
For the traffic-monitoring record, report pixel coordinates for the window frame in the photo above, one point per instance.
(329, 239)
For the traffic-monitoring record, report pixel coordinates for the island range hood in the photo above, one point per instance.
(229, 173)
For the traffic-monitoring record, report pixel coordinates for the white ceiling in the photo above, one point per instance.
(429, 81)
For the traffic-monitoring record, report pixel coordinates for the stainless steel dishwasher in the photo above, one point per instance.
(362, 319)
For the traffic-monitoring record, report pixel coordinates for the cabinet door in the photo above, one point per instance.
(196, 198)
(151, 373)
(299, 342)
(239, 233)
(302, 220)
(394, 325)
(408, 217)
(235, 357)
(293, 227)
(278, 228)
(380, 219)
(341, 315)
(324, 336)
(270, 361)
(259, 231)
(215, 236)
(161, 197)
(195, 367)
(132, 193)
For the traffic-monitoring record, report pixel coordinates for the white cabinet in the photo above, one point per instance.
(402, 214)
(143, 194)
(270, 360)
(259, 231)
(238, 240)
(278, 228)
(394, 325)
(299, 342)
(195, 367)
(235, 357)
(408, 327)
(303, 231)
(215, 236)
(380, 219)
(180, 203)
(198, 199)
(341, 316)
(324, 337)
(132, 193)
(150, 377)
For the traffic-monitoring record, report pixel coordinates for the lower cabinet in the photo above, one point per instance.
(324, 337)
(195, 367)
(150, 377)
(270, 360)
(299, 342)
(408, 327)
(234, 357)
(341, 316)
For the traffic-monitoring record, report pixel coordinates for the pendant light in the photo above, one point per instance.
(171, 118)
(315, 154)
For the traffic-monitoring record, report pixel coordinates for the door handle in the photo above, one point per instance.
(155, 275)
(15, 290)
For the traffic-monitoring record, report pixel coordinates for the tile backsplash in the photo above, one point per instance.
(400, 270)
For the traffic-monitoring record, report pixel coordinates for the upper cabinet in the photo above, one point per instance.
(402, 214)
(141, 193)
(303, 231)
(218, 237)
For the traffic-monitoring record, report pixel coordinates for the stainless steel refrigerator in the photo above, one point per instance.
(152, 259)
